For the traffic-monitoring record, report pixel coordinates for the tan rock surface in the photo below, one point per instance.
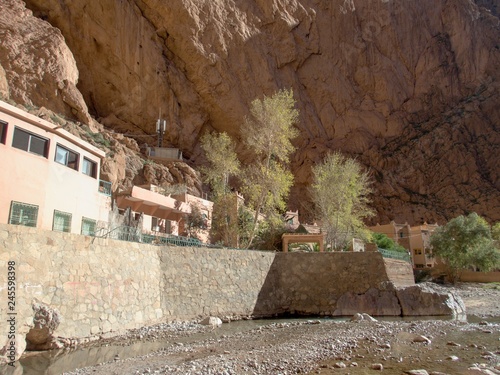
(409, 88)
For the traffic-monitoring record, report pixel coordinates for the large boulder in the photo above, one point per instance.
(374, 302)
(429, 299)
(45, 322)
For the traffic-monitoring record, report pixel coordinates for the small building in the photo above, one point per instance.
(163, 214)
(421, 247)
(399, 233)
(50, 178)
(415, 239)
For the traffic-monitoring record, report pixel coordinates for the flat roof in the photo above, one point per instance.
(49, 127)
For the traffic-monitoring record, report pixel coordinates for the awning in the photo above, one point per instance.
(153, 204)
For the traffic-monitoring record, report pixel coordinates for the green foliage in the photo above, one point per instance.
(384, 242)
(97, 139)
(224, 229)
(195, 222)
(245, 226)
(269, 128)
(223, 162)
(340, 193)
(269, 236)
(266, 188)
(268, 133)
(465, 242)
(495, 231)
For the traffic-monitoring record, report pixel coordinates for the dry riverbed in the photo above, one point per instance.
(325, 346)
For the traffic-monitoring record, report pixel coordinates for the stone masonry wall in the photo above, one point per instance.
(105, 285)
(97, 286)
(218, 282)
(313, 284)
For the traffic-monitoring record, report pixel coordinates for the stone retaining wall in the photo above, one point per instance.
(103, 285)
(97, 286)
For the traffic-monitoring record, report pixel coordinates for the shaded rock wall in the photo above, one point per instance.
(409, 88)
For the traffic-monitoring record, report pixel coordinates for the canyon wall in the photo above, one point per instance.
(409, 88)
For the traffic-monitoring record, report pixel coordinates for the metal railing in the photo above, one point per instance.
(132, 234)
(392, 254)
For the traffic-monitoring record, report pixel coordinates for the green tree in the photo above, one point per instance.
(267, 133)
(223, 163)
(195, 222)
(384, 242)
(340, 194)
(465, 242)
(222, 159)
(495, 231)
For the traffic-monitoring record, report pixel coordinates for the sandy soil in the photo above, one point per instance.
(327, 346)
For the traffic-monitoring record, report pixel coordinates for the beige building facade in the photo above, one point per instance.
(416, 239)
(50, 178)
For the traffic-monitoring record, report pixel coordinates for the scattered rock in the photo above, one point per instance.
(417, 372)
(211, 321)
(420, 338)
(377, 366)
(362, 317)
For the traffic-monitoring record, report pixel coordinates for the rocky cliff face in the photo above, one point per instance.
(409, 88)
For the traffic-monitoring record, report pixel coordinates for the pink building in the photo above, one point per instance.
(161, 213)
(50, 178)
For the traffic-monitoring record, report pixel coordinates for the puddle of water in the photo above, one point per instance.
(60, 361)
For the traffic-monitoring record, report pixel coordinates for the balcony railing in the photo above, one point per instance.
(395, 254)
(105, 188)
(132, 234)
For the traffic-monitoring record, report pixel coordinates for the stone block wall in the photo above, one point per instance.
(313, 283)
(97, 286)
(218, 282)
(102, 285)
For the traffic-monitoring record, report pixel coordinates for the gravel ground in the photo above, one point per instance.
(325, 346)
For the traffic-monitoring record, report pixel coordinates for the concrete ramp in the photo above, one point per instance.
(399, 272)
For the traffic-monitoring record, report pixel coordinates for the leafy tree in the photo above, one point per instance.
(340, 193)
(384, 242)
(223, 163)
(465, 242)
(245, 225)
(269, 236)
(267, 133)
(195, 221)
(495, 231)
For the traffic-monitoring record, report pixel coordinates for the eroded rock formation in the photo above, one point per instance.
(410, 88)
